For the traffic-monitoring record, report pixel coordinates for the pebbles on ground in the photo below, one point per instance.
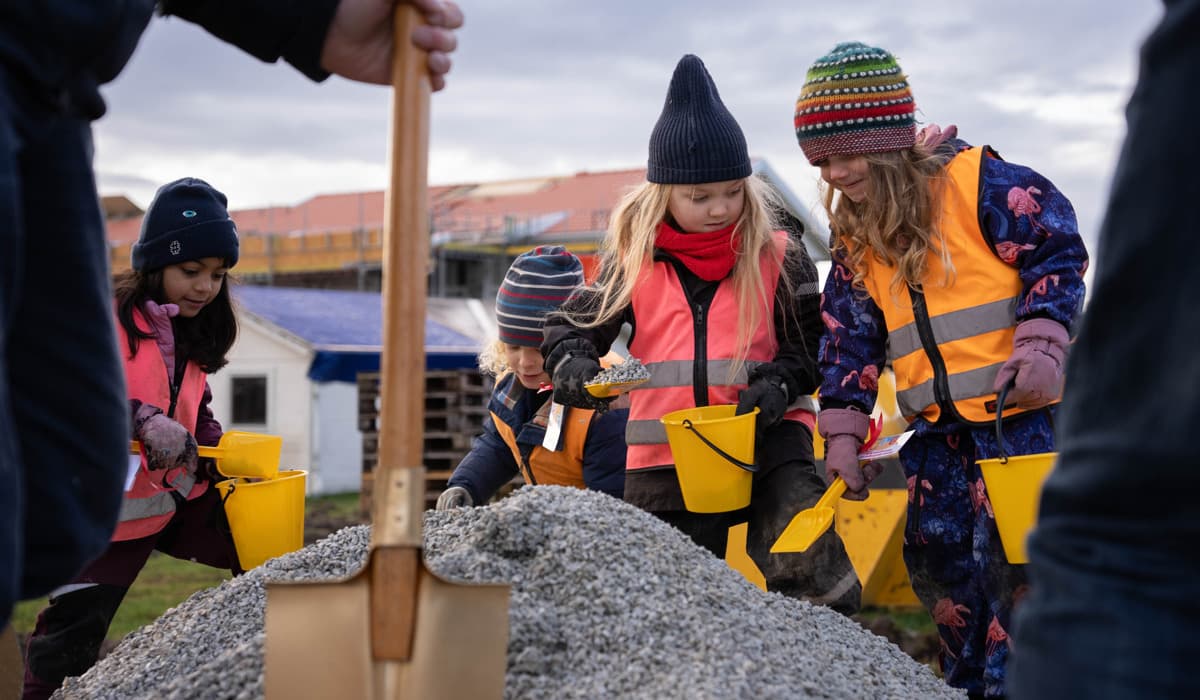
(607, 601)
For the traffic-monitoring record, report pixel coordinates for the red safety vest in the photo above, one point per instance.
(966, 327)
(149, 505)
(667, 344)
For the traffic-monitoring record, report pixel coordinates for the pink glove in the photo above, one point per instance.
(1039, 348)
(931, 136)
(167, 444)
(844, 431)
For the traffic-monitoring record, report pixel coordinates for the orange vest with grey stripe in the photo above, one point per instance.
(148, 504)
(947, 344)
(561, 468)
(679, 346)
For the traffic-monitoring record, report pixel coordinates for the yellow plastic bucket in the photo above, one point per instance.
(266, 517)
(714, 456)
(1013, 488)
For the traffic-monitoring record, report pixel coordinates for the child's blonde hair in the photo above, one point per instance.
(492, 360)
(897, 221)
(628, 251)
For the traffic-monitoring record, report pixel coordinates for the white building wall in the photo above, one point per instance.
(260, 351)
(336, 440)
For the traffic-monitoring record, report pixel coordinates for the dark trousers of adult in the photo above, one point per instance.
(786, 483)
(952, 549)
(63, 415)
(1114, 561)
(67, 637)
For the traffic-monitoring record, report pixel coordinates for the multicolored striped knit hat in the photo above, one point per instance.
(537, 282)
(855, 100)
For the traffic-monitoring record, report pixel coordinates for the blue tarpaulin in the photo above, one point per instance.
(345, 330)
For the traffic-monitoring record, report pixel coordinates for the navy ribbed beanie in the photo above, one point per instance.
(696, 139)
(187, 220)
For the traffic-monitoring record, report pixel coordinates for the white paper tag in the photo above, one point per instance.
(135, 463)
(884, 447)
(554, 427)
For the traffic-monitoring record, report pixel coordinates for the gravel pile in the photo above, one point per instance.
(607, 601)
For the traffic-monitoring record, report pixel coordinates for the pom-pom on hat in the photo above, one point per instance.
(537, 282)
(696, 139)
(187, 220)
(855, 100)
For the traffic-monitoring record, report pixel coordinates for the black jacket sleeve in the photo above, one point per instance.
(798, 324)
(487, 467)
(560, 334)
(267, 29)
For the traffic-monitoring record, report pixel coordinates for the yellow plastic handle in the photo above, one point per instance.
(135, 447)
(832, 494)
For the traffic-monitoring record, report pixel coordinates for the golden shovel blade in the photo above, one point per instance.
(319, 638)
(808, 525)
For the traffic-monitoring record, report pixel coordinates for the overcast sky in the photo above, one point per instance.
(551, 87)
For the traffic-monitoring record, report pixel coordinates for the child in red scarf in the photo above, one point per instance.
(724, 309)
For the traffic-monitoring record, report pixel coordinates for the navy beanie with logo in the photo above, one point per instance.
(537, 282)
(696, 139)
(186, 221)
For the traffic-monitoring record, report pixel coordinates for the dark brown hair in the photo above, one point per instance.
(203, 339)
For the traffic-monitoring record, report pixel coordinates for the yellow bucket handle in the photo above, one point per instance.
(748, 466)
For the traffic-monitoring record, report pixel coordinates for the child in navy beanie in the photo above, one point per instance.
(724, 310)
(175, 325)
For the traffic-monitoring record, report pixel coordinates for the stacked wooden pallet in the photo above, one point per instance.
(455, 407)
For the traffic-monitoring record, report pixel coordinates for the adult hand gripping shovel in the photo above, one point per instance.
(808, 525)
(395, 629)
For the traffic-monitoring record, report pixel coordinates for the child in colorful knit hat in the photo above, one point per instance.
(964, 273)
(724, 310)
(591, 449)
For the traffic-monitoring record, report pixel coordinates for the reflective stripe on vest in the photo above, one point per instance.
(947, 344)
(561, 468)
(148, 504)
(666, 344)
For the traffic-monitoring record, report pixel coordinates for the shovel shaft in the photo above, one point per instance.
(832, 494)
(135, 447)
(405, 271)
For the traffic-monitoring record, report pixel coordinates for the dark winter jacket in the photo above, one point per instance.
(58, 53)
(517, 425)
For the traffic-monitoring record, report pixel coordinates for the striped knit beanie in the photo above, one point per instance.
(855, 100)
(537, 282)
(696, 139)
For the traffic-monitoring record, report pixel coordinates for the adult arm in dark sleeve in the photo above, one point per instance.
(487, 467)
(266, 29)
(604, 453)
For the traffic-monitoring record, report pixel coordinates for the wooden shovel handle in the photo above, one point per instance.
(405, 271)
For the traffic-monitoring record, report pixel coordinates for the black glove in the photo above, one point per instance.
(578, 365)
(768, 391)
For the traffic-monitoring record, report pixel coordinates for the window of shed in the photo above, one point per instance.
(249, 400)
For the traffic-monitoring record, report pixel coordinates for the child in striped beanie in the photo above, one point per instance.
(590, 450)
(962, 273)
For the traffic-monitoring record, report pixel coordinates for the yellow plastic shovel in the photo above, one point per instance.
(604, 390)
(394, 629)
(810, 524)
(240, 454)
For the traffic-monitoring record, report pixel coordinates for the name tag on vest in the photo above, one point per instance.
(553, 438)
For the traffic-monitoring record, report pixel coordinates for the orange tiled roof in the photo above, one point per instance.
(558, 206)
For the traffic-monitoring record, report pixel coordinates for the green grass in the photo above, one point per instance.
(166, 582)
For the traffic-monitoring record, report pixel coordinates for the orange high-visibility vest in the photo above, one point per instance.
(947, 344)
(149, 505)
(563, 467)
(681, 346)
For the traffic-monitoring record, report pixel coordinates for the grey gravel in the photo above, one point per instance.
(631, 370)
(607, 601)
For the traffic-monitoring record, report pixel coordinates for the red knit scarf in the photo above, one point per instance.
(709, 255)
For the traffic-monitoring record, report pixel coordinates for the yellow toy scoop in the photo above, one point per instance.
(810, 524)
(604, 390)
(241, 454)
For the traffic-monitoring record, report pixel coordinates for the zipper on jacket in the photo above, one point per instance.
(699, 336)
(941, 379)
(525, 466)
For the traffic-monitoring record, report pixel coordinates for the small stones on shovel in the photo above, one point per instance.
(630, 371)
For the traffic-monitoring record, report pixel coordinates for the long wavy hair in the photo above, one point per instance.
(204, 339)
(628, 251)
(897, 222)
